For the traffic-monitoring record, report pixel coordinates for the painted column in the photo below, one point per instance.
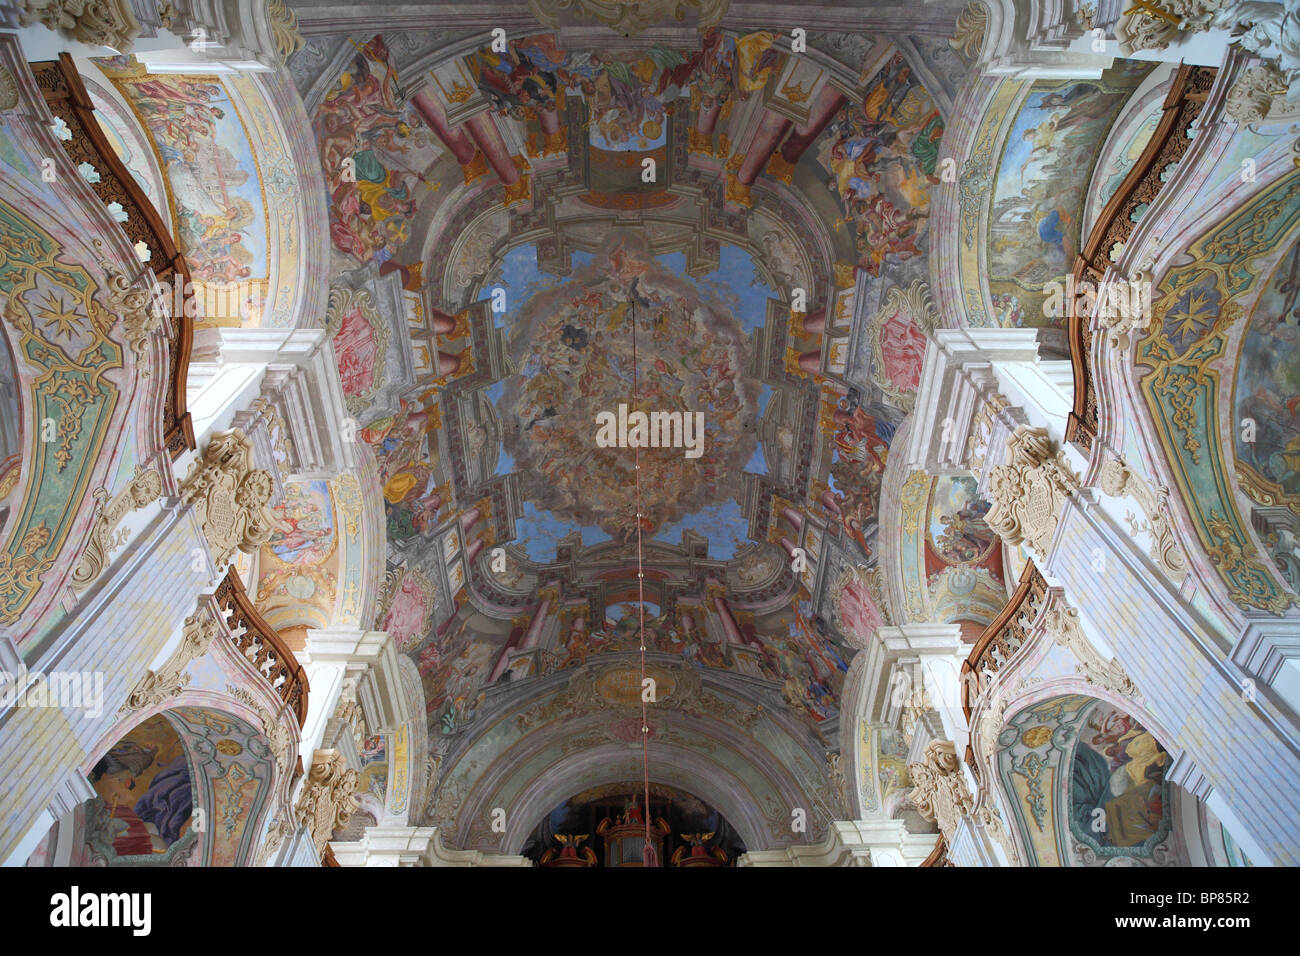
(792, 516)
(454, 139)
(824, 109)
(729, 626)
(814, 323)
(549, 120)
(469, 519)
(769, 133)
(484, 132)
(535, 626)
(442, 323)
(707, 118)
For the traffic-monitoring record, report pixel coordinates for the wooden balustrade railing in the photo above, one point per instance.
(1003, 637)
(939, 855)
(262, 645)
(65, 94)
(1115, 225)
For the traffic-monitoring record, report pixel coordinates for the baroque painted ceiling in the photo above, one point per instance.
(537, 230)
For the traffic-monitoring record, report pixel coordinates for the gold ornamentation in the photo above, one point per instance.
(21, 573)
(284, 28)
(778, 168)
(795, 93)
(968, 36)
(521, 190)
(460, 93)
(737, 192)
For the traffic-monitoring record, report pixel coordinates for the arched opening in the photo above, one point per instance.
(1087, 785)
(188, 786)
(606, 826)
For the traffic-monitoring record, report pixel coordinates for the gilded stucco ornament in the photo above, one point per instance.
(144, 488)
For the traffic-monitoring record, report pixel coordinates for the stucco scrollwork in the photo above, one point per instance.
(939, 790)
(1029, 491)
(169, 680)
(144, 488)
(1118, 480)
(1062, 625)
(329, 798)
(231, 496)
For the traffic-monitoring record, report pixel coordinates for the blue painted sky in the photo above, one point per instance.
(737, 284)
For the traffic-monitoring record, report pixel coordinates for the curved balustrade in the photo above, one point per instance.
(262, 645)
(1003, 637)
(1116, 223)
(939, 855)
(66, 96)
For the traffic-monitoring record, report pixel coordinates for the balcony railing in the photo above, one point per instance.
(66, 96)
(1117, 221)
(262, 645)
(1003, 637)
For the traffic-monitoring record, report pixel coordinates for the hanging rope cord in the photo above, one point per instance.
(647, 852)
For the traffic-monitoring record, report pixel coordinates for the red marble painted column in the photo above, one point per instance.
(811, 361)
(788, 545)
(442, 322)
(431, 112)
(469, 519)
(549, 120)
(504, 657)
(473, 550)
(770, 130)
(824, 108)
(814, 323)
(707, 118)
(729, 627)
(484, 132)
(535, 626)
(794, 517)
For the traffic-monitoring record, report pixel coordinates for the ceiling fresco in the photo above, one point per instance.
(576, 357)
(538, 241)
